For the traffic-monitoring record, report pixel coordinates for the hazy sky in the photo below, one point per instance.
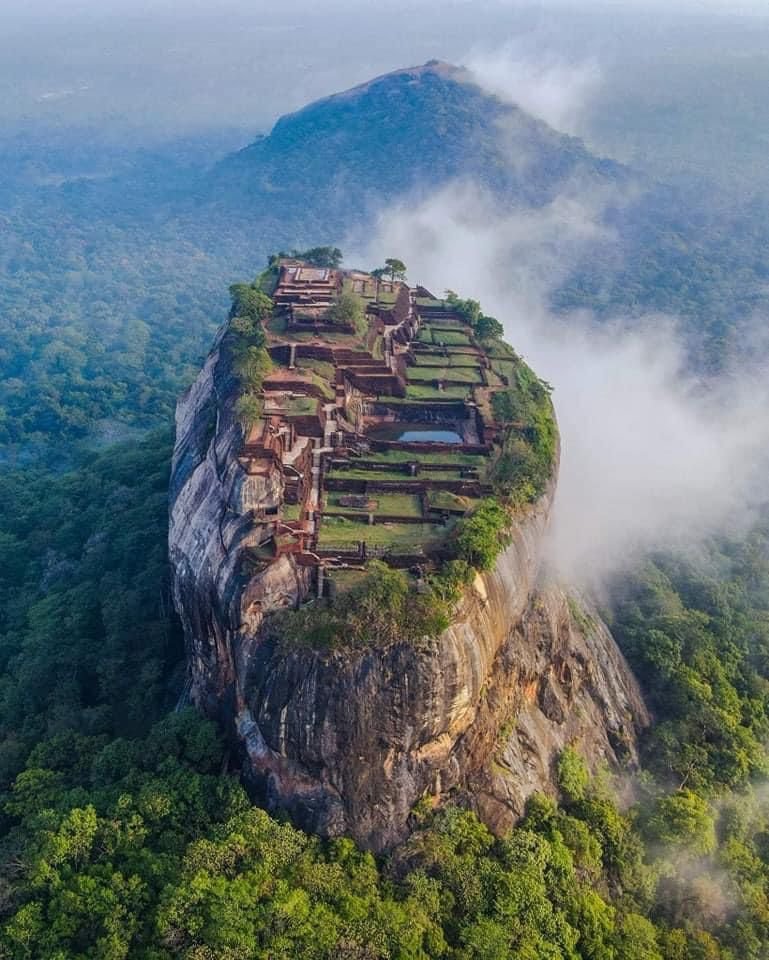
(173, 67)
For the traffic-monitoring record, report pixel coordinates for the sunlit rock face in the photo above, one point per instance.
(349, 742)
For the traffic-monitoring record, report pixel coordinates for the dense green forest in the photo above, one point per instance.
(88, 638)
(101, 326)
(124, 836)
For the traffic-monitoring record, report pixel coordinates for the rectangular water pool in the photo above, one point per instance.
(415, 433)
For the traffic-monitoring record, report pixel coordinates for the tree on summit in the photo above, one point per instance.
(323, 257)
(379, 274)
(396, 268)
(488, 328)
(347, 310)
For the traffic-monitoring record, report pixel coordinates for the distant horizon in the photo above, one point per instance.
(238, 67)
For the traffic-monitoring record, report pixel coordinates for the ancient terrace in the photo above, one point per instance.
(376, 421)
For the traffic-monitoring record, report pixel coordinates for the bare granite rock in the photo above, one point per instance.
(348, 742)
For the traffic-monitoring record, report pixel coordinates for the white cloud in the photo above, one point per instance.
(650, 456)
(541, 83)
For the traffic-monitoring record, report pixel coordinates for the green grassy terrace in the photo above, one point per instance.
(439, 358)
(419, 391)
(428, 334)
(291, 511)
(406, 456)
(445, 500)
(418, 374)
(387, 504)
(374, 476)
(347, 533)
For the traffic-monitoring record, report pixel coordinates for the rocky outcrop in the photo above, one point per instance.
(213, 525)
(349, 742)
(559, 680)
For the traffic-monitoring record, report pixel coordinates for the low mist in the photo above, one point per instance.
(540, 81)
(652, 456)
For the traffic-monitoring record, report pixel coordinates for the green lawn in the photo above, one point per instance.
(449, 336)
(301, 406)
(374, 477)
(464, 360)
(452, 326)
(421, 392)
(460, 350)
(406, 456)
(322, 368)
(292, 511)
(389, 504)
(277, 326)
(435, 358)
(498, 349)
(424, 374)
(427, 474)
(371, 475)
(327, 389)
(322, 374)
(505, 368)
(463, 374)
(343, 532)
(398, 504)
(441, 358)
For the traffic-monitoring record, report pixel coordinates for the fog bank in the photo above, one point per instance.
(651, 457)
(540, 81)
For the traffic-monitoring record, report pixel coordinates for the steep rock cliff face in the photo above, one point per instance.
(558, 680)
(213, 524)
(349, 742)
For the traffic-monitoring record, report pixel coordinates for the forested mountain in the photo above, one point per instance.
(403, 134)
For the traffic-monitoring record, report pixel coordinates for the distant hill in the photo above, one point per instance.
(405, 132)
